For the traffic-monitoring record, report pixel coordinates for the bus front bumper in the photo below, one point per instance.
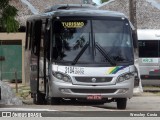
(68, 90)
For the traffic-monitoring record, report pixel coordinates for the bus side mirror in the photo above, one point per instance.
(135, 39)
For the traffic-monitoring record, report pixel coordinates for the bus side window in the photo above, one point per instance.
(30, 34)
(27, 35)
(36, 38)
(42, 40)
(47, 38)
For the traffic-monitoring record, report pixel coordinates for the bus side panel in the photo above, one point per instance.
(149, 58)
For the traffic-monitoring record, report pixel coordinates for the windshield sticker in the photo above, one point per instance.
(74, 70)
(114, 70)
(73, 24)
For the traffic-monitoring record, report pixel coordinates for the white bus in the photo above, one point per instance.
(87, 54)
(149, 53)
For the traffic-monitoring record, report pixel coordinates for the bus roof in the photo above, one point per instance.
(148, 34)
(89, 12)
(78, 12)
(69, 6)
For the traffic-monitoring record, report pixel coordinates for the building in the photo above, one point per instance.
(148, 11)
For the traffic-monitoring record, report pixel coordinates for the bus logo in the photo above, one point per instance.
(93, 80)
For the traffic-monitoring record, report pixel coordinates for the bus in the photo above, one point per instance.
(149, 53)
(77, 52)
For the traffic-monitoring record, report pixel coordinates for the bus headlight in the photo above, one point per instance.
(59, 76)
(62, 76)
(124, 77)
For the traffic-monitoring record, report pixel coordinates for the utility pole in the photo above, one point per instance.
(133, 18)
(132, 12)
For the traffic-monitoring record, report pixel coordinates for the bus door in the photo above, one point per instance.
(38, 64)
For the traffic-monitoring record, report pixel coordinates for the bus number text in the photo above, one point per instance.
(147, 60)
(74, 70)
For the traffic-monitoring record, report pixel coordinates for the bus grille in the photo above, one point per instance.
(93, 79)
(93, 90)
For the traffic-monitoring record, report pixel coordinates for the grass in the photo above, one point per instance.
(23, 92)
(155, 90)
(151, 87)
(158, 93)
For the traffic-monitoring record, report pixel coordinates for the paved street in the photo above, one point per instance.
(144, 102)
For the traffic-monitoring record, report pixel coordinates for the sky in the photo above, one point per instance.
(97, 2)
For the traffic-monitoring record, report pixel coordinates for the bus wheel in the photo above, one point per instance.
(55, 101)
(121, 103)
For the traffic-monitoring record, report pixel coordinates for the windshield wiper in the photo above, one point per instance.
(107, 56)
(118, 58)
(80, 53)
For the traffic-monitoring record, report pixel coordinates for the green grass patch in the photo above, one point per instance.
(23, 92)
(158, 93)
(151, 87)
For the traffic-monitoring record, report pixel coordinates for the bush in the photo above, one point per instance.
(8, 23)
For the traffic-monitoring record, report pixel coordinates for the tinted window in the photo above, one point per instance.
(36, 37)
(115, 38)
(86, 41)
(70, 38)
(148, 48)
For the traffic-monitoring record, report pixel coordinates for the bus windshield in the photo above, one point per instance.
(92, 41)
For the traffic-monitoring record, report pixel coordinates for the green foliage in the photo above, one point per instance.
(7, 17)
(102, 1)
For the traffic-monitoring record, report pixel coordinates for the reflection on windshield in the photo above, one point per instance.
(80, 53)
(70, 40)
(74, 41)
(105, 55)
(114, 38)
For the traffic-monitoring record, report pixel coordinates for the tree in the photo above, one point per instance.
(7, 17)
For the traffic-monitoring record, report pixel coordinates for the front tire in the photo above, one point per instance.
(121, 103)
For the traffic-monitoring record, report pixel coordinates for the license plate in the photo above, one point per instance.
(94, 97)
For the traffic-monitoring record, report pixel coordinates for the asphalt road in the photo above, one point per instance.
(143, 102)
